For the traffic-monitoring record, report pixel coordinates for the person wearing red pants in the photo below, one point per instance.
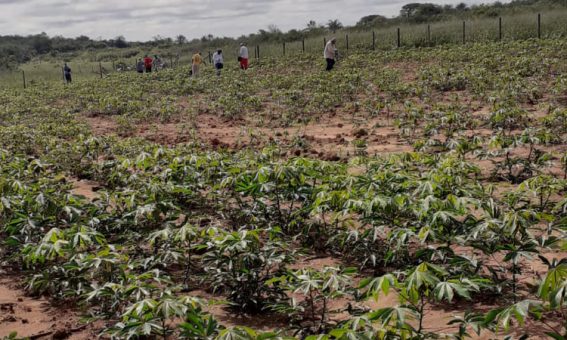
(243, 56)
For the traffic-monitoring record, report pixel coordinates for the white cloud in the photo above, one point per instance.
(143, 19)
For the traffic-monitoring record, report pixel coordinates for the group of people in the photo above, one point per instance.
(330, 53)
(218, 61)
(148, 63)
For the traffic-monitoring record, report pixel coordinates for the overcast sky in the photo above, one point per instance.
(143, 19)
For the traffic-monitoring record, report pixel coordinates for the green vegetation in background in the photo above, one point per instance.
(16, 50)
(518, 26)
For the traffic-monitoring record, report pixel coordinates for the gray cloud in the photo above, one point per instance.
(143, 19)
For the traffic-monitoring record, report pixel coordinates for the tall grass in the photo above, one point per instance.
(517, 26)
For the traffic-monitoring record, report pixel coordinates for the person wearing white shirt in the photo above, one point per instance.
(218, 61)
(243, 56)
(330, 53)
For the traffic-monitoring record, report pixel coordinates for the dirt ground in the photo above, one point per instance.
(329, 138)
(37, 318)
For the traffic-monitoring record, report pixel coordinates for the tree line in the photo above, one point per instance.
(15, 49)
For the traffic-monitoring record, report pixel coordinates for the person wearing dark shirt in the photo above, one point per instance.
(67, 73)
(140, 66)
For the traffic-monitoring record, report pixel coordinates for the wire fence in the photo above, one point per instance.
(517, 27)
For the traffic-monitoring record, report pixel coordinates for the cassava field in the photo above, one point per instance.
(408, 194)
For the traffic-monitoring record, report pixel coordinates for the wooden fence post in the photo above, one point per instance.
(24, 78)
(429, 34)
(303, 45)
(347, 42)
(500, 28)
(399, 38)
(539, 25)
(100, 68)
(258, 47)
(284, 48)
(373, 40)
(324, 42)
(464, 33)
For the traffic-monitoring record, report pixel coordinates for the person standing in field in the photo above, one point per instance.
(243, 56)
(218, 61)
(197, 60)
(157, 63)
(330, 53)
(67, 74)
(148, 61)
(140, 66)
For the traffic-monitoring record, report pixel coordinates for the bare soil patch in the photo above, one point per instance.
(37, 318)
(85, 188)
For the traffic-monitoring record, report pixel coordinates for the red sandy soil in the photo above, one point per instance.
(37, 318)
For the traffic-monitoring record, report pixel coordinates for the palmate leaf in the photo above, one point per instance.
(138, 309)
(426, 274)
(468, 320)
(237, 333)
(553, 287)
(394, 316)
(446, 291)
(167, 308)
(197, 326)
(380, 284)
(502, 317)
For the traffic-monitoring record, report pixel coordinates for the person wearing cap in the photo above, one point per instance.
(330, 53)
(218, 61)
(243, 56)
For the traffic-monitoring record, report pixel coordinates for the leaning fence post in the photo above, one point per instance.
(373, 40)
(539, 25)
(399, 38)
(24, 78)
(464, 32)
